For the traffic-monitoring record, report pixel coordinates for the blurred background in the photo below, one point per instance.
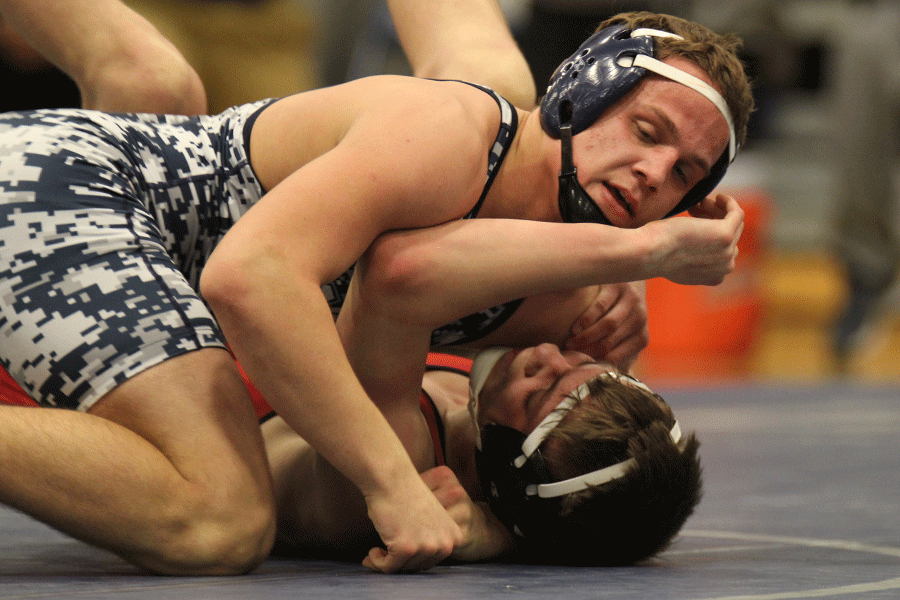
(816, 293)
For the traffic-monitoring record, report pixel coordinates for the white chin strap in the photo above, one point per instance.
(695, 83)
(582, 482)
(481, 368)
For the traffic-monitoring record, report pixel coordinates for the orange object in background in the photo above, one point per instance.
(700, 332)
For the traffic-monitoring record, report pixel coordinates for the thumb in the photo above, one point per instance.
(375, 557)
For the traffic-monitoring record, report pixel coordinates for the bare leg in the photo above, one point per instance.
(168, 470)
(119, 60)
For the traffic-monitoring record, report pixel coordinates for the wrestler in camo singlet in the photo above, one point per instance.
(106, 222)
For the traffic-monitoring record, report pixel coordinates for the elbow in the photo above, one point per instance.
(182, 93)
(227, 285)
(399, 277)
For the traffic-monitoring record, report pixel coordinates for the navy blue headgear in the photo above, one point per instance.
(598, 74)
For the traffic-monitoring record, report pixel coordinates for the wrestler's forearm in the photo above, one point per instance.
(440, 274)
(542, 318)
(289, 348)
(283, 334)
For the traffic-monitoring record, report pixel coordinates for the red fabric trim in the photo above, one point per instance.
(259, 403)
(12, 393)
(436, 359)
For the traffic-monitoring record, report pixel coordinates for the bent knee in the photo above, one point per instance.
(214, 546)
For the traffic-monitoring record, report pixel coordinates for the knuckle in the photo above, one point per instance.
(642, 339)
(403, 550)
(439, 550)
(442, 473)
(640, 312)
(456, 494)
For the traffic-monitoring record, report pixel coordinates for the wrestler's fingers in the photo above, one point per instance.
(586, 324)
(379, 559)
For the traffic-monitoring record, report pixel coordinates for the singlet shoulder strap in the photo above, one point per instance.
(439, 361)
(509, 123)
(435, 427)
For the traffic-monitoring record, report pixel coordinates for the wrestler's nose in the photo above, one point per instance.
(547, 359)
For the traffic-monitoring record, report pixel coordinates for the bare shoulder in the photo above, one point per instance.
(438, 132)
(425, 142)
(448, 131)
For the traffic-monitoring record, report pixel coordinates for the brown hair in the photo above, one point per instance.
(716, 54)
(637, 516)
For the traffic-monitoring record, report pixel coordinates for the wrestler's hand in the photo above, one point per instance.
(700, 250)
(484, 537)
(416, 530)
(614, 327)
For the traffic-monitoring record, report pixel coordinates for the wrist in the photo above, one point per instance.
(653, 246)
(390, 477)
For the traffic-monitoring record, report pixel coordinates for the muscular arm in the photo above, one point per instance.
(464, 39)
(438, 275)
(263, 282)
(290, 347)
(119, 61)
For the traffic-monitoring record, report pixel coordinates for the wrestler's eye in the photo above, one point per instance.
(643, 133)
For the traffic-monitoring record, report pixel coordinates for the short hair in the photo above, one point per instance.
(716, 54)
(632, 518)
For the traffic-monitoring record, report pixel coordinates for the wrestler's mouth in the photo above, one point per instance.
(620, 198)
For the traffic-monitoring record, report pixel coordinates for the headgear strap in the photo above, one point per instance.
(481, 368)
(581, 482)
(695, 83)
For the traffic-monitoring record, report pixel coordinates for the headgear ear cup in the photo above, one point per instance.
(505, 483)
(592, 80)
